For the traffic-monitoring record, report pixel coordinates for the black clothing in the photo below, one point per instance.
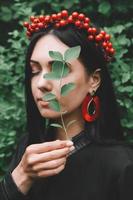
(93, 172)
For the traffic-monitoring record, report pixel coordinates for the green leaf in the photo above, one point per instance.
(56, 125)
(6, 13)
(51, 76)
(56, 73)
(56, 55)
(69, 4)
(67, 88)
(66, 70)
(72, 53)
(54, 104)
(57, 68)
(119, 28)
(104, 7)
(123, 40)
(121, 52)
(71, 122)
(49, 96)
(125, 77)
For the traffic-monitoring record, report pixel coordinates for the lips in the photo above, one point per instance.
(42, 103)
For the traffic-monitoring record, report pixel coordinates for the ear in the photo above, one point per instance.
(94, 81)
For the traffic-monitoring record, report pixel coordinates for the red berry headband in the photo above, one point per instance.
(100, 37)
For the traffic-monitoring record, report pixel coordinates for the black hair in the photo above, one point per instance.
(107, 126)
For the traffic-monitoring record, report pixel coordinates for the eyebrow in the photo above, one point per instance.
(36, 62)
(49, 63)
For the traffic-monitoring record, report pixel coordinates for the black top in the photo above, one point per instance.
(94, 171)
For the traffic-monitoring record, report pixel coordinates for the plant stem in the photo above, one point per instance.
(62, 120)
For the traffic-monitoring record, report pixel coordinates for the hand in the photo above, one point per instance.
(41, 160)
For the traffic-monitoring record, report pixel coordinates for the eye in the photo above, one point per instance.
(35, 72)
(35, 69)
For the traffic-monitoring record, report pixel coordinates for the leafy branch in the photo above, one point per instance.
(59, 71)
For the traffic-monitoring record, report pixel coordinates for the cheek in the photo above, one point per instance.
(75, 98)
(81, 84)
(79, 93)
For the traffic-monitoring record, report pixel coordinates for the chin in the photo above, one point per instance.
(50, 114)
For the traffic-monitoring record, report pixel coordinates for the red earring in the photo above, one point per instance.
(91, 107)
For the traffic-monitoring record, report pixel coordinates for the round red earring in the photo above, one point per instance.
(91, 108)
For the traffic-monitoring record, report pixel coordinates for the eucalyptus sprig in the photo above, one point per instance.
(60, 70)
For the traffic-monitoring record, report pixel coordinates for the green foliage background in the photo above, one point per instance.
(115, 16)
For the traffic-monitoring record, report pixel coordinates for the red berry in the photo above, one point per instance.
(41, 18)
(28, 33)
(107, 49)
(77, 23)
(57, 25)
(33, 25)
(75, 14)
(47, 18)
(32, 18)
(111, 51)
(94, 30)
(89, 30)
(107, 37)
(26, 24)
(110, 45)
(98, 38)
(64, 13)
(86, 25)
(81, 16)
(103, 33)
(87, 20)
(54, 16)
(70, 19)
(90, 37)
(59, 15)
(31, 30)
(40, 25)
(36, 20)
(104, 44)
(62, 22)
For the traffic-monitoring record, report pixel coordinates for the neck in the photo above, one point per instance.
(75, 128)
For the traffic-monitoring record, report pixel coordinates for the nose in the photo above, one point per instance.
(44, 84)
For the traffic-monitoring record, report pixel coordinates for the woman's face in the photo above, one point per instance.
(41, 64)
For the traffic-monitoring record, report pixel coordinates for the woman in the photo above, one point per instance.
(93, 162)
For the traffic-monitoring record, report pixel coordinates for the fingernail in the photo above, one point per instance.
(72, 148)
(69, 143)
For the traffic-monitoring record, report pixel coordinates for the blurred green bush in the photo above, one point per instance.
(113, 16)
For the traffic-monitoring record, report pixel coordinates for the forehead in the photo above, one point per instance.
(48, 43)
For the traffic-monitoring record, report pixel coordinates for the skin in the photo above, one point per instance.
(49, 158)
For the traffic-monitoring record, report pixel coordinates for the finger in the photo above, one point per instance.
(52, 172)
(48, 146)
(47, 156)
(49, 165)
